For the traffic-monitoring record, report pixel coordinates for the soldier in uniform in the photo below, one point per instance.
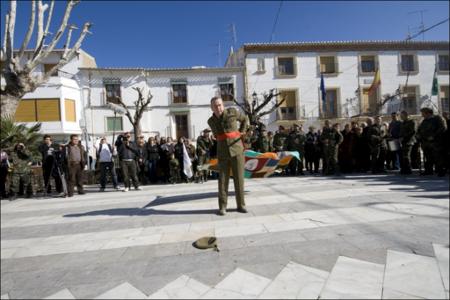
(280, 140)
(174, 169)
(20, 160)
(331, 139)
(250, 140)
(230, 150)
(270, 139)
(431, 136)
(263, 142)
(204, 144)
(312, 150)
(407, 140)
(375, 143)
(296, 142)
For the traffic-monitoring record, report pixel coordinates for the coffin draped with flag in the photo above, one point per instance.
(259, 165)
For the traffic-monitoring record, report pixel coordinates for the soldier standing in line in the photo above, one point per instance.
(296, 142)
(263, 145)
(324, 144)
(445, 115)
(174, 169)
(270, 140)
(312, 150)
(280, 139)
(204, 144)
(430, 134)
(230, 150)
(331, 139)
(375, 140)
(20, 162)
(407, 140)
(249, 139)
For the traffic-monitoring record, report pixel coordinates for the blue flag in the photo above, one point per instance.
(324, 93)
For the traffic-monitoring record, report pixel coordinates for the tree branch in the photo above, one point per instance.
(267, 99)
(69, 36)
(49, 18)
(66, 58)
(12, 24)
(43, 54)
(3, 54)
(29, 31)
(272, 109)
(40, 33)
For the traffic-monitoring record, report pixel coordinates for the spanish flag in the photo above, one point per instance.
(375, 83)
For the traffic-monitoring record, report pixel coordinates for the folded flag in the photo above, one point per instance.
(259, 165)
(187, 164)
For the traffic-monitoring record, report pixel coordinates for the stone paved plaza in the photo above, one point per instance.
(363, 236)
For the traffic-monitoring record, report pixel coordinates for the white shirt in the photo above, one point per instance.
(105, 154)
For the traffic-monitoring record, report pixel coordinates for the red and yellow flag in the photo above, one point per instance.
(375, 83)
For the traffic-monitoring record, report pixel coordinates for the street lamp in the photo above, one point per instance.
(255, 99)
(117, 110)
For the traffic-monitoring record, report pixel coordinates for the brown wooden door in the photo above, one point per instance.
(182, 126)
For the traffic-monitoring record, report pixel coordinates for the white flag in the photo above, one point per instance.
(187, 170)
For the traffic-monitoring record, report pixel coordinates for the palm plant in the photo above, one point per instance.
(12, 133)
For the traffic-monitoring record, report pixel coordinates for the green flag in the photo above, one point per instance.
(434, 88)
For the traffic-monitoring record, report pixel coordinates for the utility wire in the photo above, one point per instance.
(276, 21)
(271, 37)
(426, 29)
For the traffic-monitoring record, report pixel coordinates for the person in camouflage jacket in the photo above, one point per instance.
(296, 142)
(20, 160)
(330, 138)
(407, 140)
(430, 134)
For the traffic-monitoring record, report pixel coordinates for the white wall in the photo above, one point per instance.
(201, 87)
(307, 81)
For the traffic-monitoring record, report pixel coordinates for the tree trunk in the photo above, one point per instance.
(9, 105)
(137, 130)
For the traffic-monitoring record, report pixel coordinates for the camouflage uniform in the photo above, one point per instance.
(263, 144)
(330, 138)
(250, 141)
(21, 171)
(407, 132)
(296, 142)
(430, 134)
(270, 141)
(203, 153)
(174, 169)
(375, 145)
(280, 140)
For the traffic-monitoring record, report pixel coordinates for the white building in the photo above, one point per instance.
(348, 68)
(181, 98)
(56, 104)
(75, 100)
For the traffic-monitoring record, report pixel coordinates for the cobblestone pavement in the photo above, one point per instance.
(365, 236)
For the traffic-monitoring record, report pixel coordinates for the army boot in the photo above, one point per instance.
(242, 209)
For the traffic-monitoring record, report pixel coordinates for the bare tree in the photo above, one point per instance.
(139, 106)
(17, 69)
(254, 110)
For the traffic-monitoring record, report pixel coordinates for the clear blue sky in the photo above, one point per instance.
(184, 34)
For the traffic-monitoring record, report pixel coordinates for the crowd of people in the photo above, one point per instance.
(370, 146)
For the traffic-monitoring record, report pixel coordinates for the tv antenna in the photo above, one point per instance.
(232, 31)
(422, 24)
